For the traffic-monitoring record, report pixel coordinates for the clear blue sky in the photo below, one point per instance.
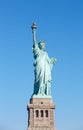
(60, 25)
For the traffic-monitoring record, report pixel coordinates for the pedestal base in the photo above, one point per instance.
(41, 128)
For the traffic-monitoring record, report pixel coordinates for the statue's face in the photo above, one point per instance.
(42, 46)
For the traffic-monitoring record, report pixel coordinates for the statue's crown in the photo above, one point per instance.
(41, 43)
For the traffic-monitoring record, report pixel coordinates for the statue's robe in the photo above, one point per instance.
(42, 70)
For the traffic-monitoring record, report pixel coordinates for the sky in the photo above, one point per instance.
(60, 25)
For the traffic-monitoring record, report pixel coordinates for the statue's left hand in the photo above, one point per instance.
(53, 60)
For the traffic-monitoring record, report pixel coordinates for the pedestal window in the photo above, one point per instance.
(37, 113)
(41, 113)
(46, 113)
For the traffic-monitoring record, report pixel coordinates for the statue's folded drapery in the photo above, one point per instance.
(42, 71)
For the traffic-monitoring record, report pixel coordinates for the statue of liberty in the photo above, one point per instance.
(42, 67)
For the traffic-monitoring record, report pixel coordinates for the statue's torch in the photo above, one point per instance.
(34, 32)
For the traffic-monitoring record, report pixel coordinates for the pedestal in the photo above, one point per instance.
(41, 114)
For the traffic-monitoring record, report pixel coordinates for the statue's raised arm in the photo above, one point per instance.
(34, 33)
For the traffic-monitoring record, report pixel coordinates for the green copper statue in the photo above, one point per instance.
(42, 67)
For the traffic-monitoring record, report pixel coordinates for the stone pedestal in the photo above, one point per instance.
(41, 114)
